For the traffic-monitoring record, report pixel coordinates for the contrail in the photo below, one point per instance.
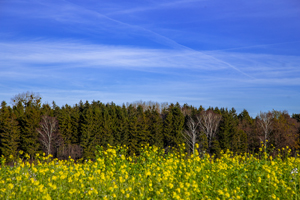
(254, 46)
(165, 39)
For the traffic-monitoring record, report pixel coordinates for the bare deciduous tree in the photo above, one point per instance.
(285, 131)
(48, 132)
(26, 98)
(209, 123)
(265, 122)
(191, 133)
(147, 105)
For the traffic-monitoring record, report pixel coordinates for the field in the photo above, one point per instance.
(152, 175)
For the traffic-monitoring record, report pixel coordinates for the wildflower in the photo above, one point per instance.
(220, 192)
(294, 171)
(10, 186)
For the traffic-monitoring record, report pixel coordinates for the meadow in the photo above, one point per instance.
(152, 175)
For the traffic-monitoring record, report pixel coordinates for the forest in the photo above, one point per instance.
(76, 131)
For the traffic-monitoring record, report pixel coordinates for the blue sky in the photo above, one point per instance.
(235, 53)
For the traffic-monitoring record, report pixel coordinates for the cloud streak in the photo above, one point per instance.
(171, 42)
(68, 55)
(218, 55)
(78, 14)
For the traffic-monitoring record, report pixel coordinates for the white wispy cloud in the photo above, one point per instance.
(76, 13)
(69, 70)
(84, 55)
(155, 6)
(35, 57)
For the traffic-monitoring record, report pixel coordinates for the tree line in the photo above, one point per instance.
(76, 131)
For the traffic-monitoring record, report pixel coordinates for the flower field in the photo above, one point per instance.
(152, 175)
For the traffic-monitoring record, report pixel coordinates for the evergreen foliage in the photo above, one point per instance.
(9, 131)
(84, 126)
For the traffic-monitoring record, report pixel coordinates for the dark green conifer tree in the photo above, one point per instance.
(65, 124)
(173, 126)
(29, 123)
(97, 108)
(228, 128)
(88, 139)
(247, 125)
(121, 132)
(19, 110)
(47, 110)
(239, 142)
(167, 129)
(108, 126)
(178, 125)
(9, 131)
(56, 109)
(125, 134)
(133, 139)
(77, 119)
(216, 149)
(296, 116)
(155, 127)
(142, 127)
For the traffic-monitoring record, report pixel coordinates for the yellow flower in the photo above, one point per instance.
(227, 195)
(10, 186)
(220, 192)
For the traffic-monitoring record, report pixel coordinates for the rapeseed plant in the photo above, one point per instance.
(152, 175)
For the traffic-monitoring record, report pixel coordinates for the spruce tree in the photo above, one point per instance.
(178, 125)
(97, 108)
(228, 128)
(133, 139)
(155, 127)
(88, 139)
(121, 133)
(29, 123)
(107, 122)
(65, 124)
(173, 126)
(142, 127)
(247, 125)
(9, 131)
(239, 142)
(167, 129)
(123, 129)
